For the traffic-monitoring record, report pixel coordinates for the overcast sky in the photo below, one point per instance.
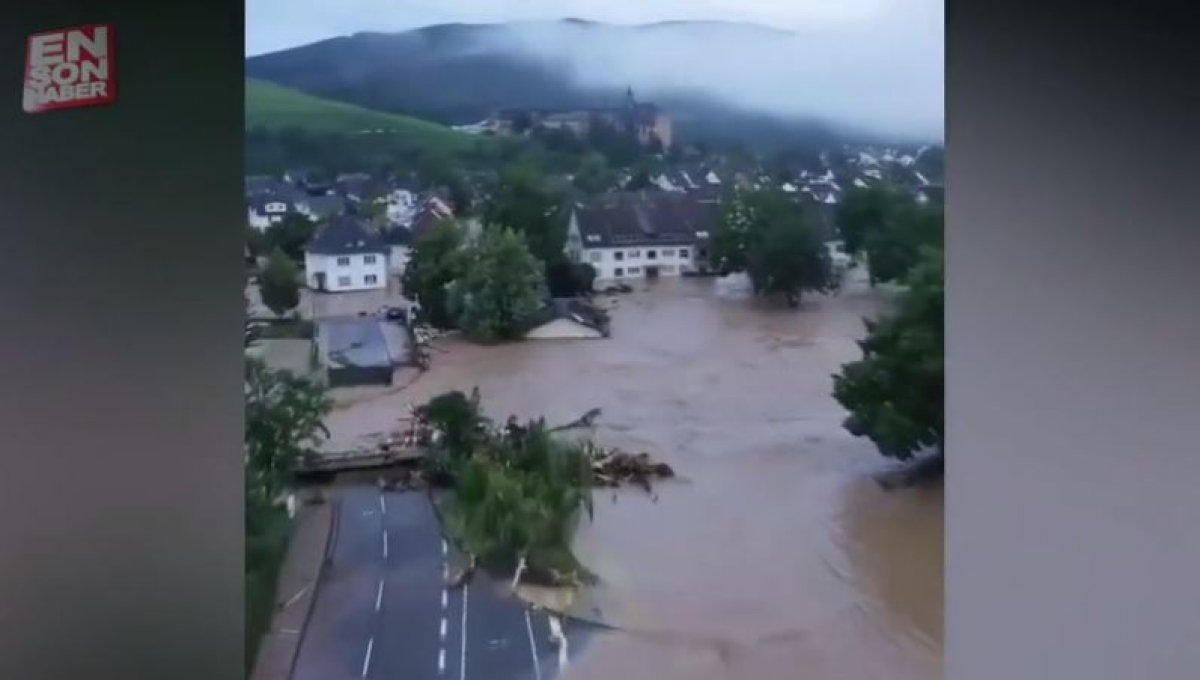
(875, 63)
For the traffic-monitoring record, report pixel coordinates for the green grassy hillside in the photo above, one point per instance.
(274, 107)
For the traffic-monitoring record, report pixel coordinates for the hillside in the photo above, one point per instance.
(461, 73)
(274, 107)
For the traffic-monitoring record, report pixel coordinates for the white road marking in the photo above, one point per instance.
(367, 659)
(442, 630)
(292, 599)
(462, 660)
(382, 505)
(441, 661)
(385, 544)
(379, 596)
(445, 548)
(537, 667)
(560, 638)
(445, 598)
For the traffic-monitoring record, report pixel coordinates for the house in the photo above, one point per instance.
(641, 235)
(356, 351)
(432, 212)
(321, 208)
(567, 318)
(264, 210)
(344, 256)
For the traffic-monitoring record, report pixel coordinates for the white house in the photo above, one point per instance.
(627, 236)
(262, 212)
(344, 256)
(402, 206)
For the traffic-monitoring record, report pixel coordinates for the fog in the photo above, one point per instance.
(874, 66)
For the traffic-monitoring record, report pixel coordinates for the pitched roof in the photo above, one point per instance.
(346, 235)
(574, 309)
(326, 206)
(644, 218)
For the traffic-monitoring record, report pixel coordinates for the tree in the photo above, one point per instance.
(290, 235)
(256, 242)
(862, 211)
(570, 279)
(434, 264)
(895, 246)
(501, 285)
(896, 392)
(279, 284)
(284, 421)
(764, 234)
(639, 180)
(593, 175)
(521, 202)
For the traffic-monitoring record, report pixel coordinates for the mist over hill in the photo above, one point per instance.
(721, 81)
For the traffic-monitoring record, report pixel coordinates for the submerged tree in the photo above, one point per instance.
(433, 266)
(895, 393)
(501, 285)
(765, 235)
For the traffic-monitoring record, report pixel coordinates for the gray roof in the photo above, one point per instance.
(577, 310)
(346, 236)
(326, 206)
(632, 218)
(354, 342)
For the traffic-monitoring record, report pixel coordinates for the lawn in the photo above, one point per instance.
(275, 107)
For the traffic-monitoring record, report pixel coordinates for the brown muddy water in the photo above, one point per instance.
(774, 555)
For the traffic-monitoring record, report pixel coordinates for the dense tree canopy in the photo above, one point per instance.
(434, 264)
(765, 235)
(501, 284)
(279, 283)
(290, 235)
(522, 202)
(284, 421)
(862, 211)
(895, 393)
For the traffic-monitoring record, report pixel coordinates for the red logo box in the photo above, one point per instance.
(70, 68)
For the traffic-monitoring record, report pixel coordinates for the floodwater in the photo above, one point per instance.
(774, 555)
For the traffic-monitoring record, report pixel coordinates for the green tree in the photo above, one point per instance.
(570, 279)
(896, 392)
(284, 421)
(290, 235)
(863, 211)
(895, 247)
(521, 202)
(593, 175)
(434, 264)
(501, 285)
(765, 235)
(279, 284)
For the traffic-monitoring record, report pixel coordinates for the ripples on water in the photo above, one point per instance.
(774, 556)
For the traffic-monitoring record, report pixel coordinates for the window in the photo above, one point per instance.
(618, 256)
(618, 271)
(634, 254)
(668, 253)
(343, 281)
(343, 262)
(368, 259)
(595, 256)
(651, 255)
(683, 252)
(370, 279)
(634, 271)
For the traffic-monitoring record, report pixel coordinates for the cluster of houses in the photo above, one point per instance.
(346, 254)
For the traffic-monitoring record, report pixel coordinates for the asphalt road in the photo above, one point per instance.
(383, 612)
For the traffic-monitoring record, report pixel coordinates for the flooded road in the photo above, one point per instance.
(774, 555)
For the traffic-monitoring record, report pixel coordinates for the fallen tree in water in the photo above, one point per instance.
(518, 492)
